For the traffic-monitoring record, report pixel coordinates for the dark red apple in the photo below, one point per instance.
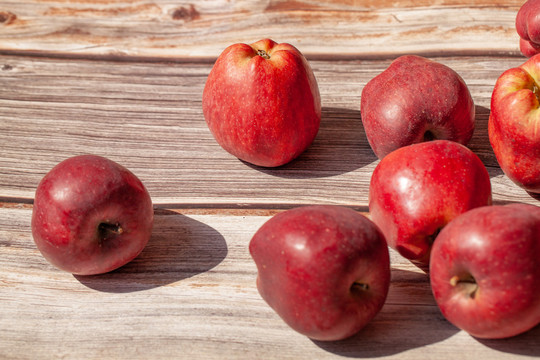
(514, 124)
(485, 272)
(528, 48)
(416, 99)
(262, 103)
(91, 215)
(528, 27)
(417, 189)
(324, 269)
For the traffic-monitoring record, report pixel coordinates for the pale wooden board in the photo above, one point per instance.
(327, 28)
(148, 117)
(192, 294)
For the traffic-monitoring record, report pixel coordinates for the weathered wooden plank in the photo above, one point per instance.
(148, 117)
(192, 294)
(194, 29)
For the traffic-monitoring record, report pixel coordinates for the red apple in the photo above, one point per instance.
(514, 124)
(484, 270)
(413, 100)
(417, 189)
(324, 269)
(91, 215)
(528, 48)
(262, 103)
(528, 27)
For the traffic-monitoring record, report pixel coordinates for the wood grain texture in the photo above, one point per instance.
(335, 29)
(124, 79)
(192, 294)
(148, 117)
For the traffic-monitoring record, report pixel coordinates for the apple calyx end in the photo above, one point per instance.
(262, 53)
(108, 230)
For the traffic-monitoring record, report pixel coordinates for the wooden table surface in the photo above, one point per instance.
(124, 79)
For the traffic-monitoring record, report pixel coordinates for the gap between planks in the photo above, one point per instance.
(197, 208)
(443, 53)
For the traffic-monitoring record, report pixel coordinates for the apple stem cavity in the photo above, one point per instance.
(429, 136)
(431, 238)
(263, 54)
(358, 288)
(536, 90)
(108, 230)
(468, 284)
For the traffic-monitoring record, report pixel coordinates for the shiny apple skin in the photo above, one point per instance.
(514, 124)
(416, 99)
(91, 215)
(499, 247)
(418, 189)
(265, 111)
(308, 259)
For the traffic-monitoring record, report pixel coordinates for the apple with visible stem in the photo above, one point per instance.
(91, 215)
(484, 270)
(414, 100)
(528, 27)
(416, 190)
(514, 121)
(324, 269)
(261, 102)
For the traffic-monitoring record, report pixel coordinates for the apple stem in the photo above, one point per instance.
(357, 288)
(536, 90)
(263, 54)
(468, 283)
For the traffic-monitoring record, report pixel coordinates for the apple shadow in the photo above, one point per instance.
(480, 145)
(525, 344)
(180, 247)
(340, 147)
(409, 319)
(534, 196)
